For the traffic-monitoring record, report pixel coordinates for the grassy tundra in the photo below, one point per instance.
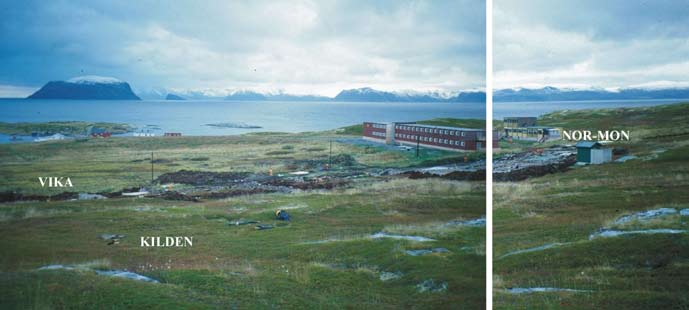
(552, 218)
(323, 258)
(72, 128)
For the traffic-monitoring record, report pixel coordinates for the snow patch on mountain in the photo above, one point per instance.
(550, 93)
(94, 79)
(355, 94)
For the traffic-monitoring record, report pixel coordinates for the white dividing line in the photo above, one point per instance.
(489, 154)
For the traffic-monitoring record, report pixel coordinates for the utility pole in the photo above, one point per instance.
(330, 156)
(151, 168)
(417, 145)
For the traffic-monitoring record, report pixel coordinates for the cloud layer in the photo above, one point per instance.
(300, 47)
(587, 43)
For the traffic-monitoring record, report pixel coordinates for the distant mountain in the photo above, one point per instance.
(152, 94)
(173, 97)
(368, 94)
(247, 95)
(475, 96)
(160, 93)
(550, 93)
(86, 87)
(365, 94)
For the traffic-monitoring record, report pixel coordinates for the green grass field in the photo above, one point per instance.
(323, 258)
(106, 165)
(78, 128)
(562, 210)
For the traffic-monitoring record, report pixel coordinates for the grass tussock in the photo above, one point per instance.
(423, 186)
(436, 230)
(507, 193)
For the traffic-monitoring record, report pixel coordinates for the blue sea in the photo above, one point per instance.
(191, 117)
(503, 109)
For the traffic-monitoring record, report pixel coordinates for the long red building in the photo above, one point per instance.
(438, 137)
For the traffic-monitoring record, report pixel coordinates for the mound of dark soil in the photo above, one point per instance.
(13, 196)
(478, 175)
(202, 177)
(535, 171)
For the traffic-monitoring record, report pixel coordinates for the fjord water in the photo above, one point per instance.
(190, 117)
(533, 108)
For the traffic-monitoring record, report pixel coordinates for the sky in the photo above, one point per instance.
(298, 47)
(607, 44)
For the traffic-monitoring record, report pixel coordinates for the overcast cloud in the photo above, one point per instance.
(303, 47)
(587, 43)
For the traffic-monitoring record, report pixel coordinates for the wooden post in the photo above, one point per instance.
(151, 168)
(417, 145)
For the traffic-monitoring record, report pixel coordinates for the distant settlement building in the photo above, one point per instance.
(591, 152)
(437, 137)
(98, 132)
(144, 134)
(516, 122)
(524, 128)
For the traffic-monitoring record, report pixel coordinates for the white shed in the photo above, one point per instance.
(602, 155)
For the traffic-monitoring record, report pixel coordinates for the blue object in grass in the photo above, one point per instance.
(282, 215)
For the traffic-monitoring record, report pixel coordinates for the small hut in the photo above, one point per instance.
(592, 152)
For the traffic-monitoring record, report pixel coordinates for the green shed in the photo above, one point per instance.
(584, 150)
(591, 152)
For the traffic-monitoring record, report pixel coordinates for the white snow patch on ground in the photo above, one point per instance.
(431, 286)
(617, 233)
(55, 267)
(625, 158)
(126, 275)
(110, 273)
(380, 235)
(646, 215)
(479, 222)
(426, 251)
(528, 290)
(535, 249)
(610, 233)
(388, 276)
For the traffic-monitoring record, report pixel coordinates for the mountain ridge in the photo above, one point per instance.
(86, 87)
(364, 94)
(550, 93)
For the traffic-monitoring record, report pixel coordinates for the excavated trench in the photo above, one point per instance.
(521, 166)
(218, 185)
